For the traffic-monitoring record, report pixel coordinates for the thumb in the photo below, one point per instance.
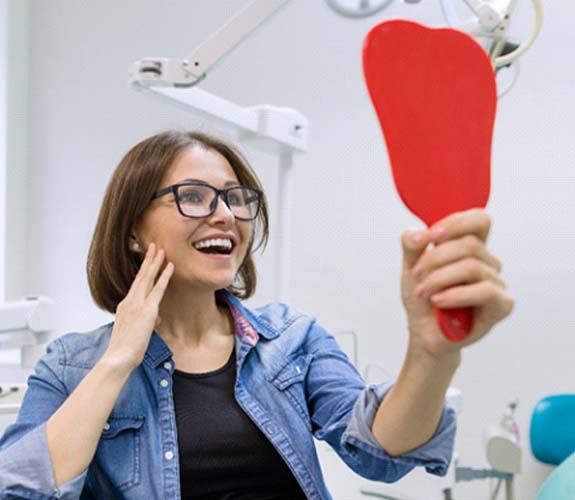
(414, 243)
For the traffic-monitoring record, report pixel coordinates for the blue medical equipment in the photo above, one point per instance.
(552, 437)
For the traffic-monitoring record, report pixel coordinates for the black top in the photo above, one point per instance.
(223, 455)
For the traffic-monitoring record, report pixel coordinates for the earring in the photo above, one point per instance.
(135, 246)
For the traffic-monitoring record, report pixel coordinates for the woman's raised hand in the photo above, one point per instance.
(137, 314)
(458, 271)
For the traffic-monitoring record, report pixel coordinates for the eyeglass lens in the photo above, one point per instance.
(197, 201)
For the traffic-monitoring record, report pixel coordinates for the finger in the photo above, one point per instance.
(468, 270)
(152, 271)
(160, 287)
(147, 274)
(452, 251)
(148, 259)
(474, 221)
(414, 243)
(479, 294)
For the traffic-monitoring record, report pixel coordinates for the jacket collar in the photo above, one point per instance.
(239, 311)
(157, 352)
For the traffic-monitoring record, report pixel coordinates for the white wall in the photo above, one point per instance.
(17, 148)
(347, 219)
(13, 157)
(3, 148)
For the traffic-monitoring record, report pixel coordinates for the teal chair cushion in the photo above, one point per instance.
(561, 483)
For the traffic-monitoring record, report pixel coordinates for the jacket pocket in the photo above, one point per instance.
(290, 380)
(118, 451)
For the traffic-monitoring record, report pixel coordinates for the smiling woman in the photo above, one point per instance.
(190, 394)
(170, 161)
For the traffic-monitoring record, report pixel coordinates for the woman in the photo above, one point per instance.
(189, 394)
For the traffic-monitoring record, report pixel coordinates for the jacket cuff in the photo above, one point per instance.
(27, 471)
(434, 455)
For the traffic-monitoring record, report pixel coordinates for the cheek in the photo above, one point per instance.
(247, 239)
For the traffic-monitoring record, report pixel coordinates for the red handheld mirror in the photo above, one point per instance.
(435, 96)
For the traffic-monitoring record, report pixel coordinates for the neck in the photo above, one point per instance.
(191, 317)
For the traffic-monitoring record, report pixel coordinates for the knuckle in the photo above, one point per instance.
(485, 220)
(498, 265)
(472, 244)
(472, 270)
(491, 290)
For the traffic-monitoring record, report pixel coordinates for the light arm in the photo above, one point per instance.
(494, 17)
(153, 71)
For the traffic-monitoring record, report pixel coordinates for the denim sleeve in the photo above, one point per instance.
(343, 408)
(25, 465)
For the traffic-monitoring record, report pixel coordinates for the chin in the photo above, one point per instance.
(217, 284)
(204, 282)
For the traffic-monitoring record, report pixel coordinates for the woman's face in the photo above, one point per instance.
(163, 224)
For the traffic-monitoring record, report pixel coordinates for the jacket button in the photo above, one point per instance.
(164, 383)
(106, 426)
(169, 455)
(167, 365)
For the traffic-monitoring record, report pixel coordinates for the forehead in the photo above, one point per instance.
(202, 164)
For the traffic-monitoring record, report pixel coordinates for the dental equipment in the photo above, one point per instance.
(357, 8)
(492, 21)
(490, 25)
(281, 131)
(27, 324)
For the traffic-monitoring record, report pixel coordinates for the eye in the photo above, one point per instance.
(235, 199)
(192, 195)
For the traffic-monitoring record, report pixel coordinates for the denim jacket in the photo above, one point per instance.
(292, 380)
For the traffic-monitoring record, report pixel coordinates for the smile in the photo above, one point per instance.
(215, 246)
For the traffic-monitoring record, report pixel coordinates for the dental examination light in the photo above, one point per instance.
(26, 324)
(357, 8)
(281, 131)
(490, 25)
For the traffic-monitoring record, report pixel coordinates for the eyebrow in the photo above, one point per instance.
(226, 184)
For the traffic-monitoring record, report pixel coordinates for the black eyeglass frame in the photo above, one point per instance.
(223, 193)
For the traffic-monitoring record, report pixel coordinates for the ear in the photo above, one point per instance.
(134, 244)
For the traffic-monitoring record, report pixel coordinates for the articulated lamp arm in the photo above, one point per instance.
(161, 71)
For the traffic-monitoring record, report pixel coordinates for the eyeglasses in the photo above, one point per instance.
(198, 199)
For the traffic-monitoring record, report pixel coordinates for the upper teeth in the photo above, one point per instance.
(217, 242)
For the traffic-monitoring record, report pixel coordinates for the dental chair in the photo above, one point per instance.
(552, 437)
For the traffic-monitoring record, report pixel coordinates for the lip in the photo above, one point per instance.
(215, 256)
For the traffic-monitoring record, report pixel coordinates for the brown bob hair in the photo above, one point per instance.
(111, 266)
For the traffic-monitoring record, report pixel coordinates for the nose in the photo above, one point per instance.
(222, 213)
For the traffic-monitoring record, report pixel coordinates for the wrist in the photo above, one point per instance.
(120, 364)
(428, 359)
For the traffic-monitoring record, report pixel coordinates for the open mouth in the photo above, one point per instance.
(220, 246)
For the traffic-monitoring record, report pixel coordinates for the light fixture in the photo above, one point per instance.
(357, 8)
